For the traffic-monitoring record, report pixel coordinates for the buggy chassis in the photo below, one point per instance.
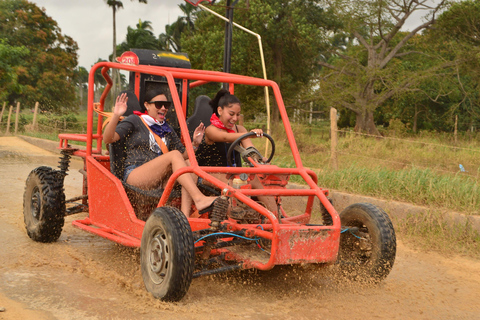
(173, 249)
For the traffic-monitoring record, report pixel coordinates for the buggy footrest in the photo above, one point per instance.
(107, 233)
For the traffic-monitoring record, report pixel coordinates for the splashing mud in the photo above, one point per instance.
(82, 276)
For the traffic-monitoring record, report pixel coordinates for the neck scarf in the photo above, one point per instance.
(159, 128)
(215, 121)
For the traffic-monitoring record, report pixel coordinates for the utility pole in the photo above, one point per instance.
(227, 53)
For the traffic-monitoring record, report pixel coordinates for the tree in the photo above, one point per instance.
(366, 75)
(10, 59)
(293, 35)
(116, 5)
(171, 39)
(140, 38)
(81, 80)
(46, 75)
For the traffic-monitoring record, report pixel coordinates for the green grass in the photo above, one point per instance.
(414, 185)
(432, 231)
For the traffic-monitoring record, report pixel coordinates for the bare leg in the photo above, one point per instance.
(150, 174)
(269, 201)
(186, 206)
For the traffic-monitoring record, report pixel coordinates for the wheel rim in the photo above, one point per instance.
(359, 244)
(158, 257)
(35, 203)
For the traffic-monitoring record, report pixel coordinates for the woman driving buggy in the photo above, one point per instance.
(222, 132)
(153, 148)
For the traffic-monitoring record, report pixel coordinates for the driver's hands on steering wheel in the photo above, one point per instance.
(250, 153)
(258, 132)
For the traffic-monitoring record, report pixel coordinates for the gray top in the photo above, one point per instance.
(140, 143)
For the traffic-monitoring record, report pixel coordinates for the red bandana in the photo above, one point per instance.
(217, 123)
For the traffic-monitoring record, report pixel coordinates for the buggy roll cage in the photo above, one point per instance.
(192, 78)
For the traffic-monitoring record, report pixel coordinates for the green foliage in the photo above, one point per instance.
(140, 38)
(45, 75)
(397, 127)
(10, 59)
(293, 35)
(62, 123)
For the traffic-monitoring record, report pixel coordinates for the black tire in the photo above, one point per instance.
(368, 248)
(44, 204)
(167, 255)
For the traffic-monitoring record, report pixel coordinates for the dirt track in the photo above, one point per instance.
(86, 277)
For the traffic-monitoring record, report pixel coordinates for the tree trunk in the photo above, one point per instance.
(415, 120)
(114, 71)
(275, 116)
(365, 123)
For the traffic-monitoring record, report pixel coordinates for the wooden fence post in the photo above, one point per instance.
(334, 138)
(16, 117)
(8, 121)
(35, 116)
(311, 113)
(455, 130)
(1, 114)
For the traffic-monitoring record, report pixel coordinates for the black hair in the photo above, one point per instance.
(152, 93)
(223, 99)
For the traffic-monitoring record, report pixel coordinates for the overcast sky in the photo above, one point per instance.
(89, 22)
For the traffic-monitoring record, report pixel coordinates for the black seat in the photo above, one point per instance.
(202, 113)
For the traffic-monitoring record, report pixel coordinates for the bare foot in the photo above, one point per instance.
(204, 203)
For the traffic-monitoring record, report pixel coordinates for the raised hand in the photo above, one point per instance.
(120, 105)
(198, 135)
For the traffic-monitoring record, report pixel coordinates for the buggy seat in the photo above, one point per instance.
(202, 113)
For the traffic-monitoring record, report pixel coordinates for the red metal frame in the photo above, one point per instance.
(112, 216)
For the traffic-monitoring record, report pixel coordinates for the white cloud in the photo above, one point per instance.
(89, 22)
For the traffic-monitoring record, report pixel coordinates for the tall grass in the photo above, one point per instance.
(432, 231)
(414, 185)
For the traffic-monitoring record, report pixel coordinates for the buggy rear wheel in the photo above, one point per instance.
(44, 204)
(167, 254)
(367, 243)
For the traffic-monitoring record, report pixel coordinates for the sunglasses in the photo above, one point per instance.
(160, 104)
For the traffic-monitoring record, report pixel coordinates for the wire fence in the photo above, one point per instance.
(12, 121)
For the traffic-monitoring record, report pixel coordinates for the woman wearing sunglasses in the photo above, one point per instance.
(153, 148)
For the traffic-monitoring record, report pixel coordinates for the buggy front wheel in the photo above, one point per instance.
(167, 254)
(367, 243)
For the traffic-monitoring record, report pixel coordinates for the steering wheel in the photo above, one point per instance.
(250, 151)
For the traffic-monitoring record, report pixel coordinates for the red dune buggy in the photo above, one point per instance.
(240, 233)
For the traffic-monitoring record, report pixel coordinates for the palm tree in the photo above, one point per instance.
(190, 15)
(116, 5)
(140, 38)
(170, 40)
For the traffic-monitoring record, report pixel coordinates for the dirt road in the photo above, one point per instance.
(86, 277)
